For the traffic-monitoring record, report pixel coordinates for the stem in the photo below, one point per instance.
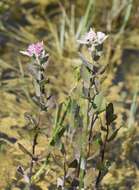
(93, 120)
(65, 170)
(34, 144)
(78, 168)
(32, 159)
(102, 152)
(81, 173)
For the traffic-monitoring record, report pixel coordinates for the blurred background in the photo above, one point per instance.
(59, 23)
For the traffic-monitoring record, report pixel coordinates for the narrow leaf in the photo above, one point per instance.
(24, 150)
(112, 137)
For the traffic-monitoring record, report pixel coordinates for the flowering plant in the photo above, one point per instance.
(82, 120)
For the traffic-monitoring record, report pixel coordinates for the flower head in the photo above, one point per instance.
(94, 41)
(93, 38)
(35, 49)
(88, 38)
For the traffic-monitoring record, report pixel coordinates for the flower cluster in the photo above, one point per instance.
(94, 41)
(38, 65)
(35, 49)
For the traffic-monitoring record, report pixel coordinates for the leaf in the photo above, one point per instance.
(21, 171)
(112, 137)
(30, 119)
(75, 113)
(43, 82)
(59, 129)
(85, 74)
(24, 150)
(65, 112)
(86, 63)
(99, 103)
(51, 102)
(85, 91)
(73, 164)
(5, 137)
(33, 70)
(98, 139)
(97, 84)
(45, 61)
(110, 116)
(57, 136)
(75, 108)
(62, 148)
(37, 89)
(103, 128)
(58, 114)
(102, 69)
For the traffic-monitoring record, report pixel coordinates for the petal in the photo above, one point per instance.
(25, 53)
(101, 37)
(82, 41)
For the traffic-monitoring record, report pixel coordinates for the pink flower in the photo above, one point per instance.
(88, 38)
(34, 50)
(93, 38)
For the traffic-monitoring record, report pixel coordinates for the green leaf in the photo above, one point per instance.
(57, 136)
(75, 108)
(98, 139)
(86, 63)
(58, 114)
(65, 112)
(60, 128)
(62, 148)
(85, 74)
(99, 103)
(77, 120)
